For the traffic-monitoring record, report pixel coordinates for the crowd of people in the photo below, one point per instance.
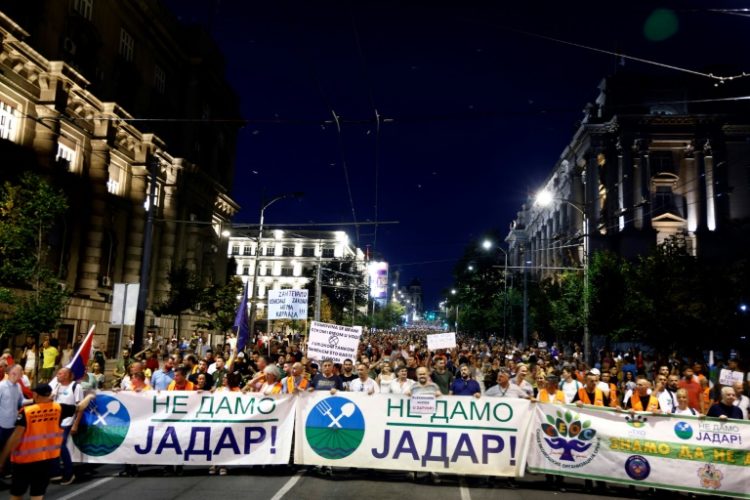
(387, 362)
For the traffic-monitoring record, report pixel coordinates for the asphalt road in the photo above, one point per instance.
(275, 483)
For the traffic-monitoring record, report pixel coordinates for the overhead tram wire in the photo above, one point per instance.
(363, 63)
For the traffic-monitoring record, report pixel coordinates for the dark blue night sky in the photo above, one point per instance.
(475, 113)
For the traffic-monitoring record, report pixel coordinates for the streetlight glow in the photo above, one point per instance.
(544, 198)
(486, 244)
(453, 292)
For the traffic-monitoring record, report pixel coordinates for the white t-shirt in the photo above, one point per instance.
(369, 385)
(686, 411)
(570, 389)
(395, 387)
(70, 394)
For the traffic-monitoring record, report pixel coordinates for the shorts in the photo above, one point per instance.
(35, 475)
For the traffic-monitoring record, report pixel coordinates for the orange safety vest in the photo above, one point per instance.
(43, 436)
(544, 396)
(637, 405)
(189, 386)
(290, 384)
(276, 388)
(583, 396)
(613, 395)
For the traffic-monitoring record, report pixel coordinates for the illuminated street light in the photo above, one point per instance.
(487, 245)
(544, 198)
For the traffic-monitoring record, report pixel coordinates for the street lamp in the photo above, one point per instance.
(545, 198)
(254, 299)
(487, 245)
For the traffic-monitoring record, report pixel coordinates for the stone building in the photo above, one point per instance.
(289, 258)
(77, 78)
(652, 158)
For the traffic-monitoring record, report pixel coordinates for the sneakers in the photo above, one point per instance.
(212, 470)
(56, 479)
(68, 481)
(222, 471)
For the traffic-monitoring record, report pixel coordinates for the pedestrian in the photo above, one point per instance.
(36, 442)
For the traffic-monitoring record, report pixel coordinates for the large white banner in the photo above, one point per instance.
(287, 304)
(180, 427)
(336, 342)
(465, 435)
(437, 341)
(676, 452)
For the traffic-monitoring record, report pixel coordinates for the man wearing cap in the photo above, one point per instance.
(34, 446)
(504, 389)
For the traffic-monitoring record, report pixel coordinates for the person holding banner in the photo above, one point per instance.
(682, 407)
(424, 385)
(363, 383)
(326, 381)
(503, 388)
(401, 385)
(296, 381)
(725, 408)
(272, 384)
(590, 393)
(641, 399)
(465, 385)
(552, 392)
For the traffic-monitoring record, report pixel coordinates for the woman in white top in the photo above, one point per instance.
(401, 385)
(386, 375)
(30, 354)
(682, 407)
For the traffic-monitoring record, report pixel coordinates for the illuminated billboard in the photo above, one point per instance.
(378, 272)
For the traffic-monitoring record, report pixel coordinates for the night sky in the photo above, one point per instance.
(474, 112)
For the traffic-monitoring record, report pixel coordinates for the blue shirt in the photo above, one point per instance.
(461, 387)
(11, 400)
(160, 380)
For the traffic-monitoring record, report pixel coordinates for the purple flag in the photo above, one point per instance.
(241, 325)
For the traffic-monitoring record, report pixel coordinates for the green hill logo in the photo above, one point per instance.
(335, 428)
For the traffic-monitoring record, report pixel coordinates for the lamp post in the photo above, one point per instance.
(487, 244)
(453, 292)
(545, 198)
(254, 295)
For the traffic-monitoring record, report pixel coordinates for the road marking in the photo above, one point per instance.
(287, 486)
(465, 493)
(86, 488)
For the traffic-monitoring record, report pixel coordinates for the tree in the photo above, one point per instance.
(386, 317)
(29, 289)
(343, 287)
(219, 305)
(184, 294)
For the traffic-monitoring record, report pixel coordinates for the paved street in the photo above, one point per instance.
(275, 483)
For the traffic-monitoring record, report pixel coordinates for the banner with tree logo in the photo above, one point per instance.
(676, 452)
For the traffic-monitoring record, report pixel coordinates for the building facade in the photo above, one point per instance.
(653, 158)
(53, 122)
(289, 259)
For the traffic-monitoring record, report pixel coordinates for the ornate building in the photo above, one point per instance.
(73, 91)
(288, 259)
(653, 158)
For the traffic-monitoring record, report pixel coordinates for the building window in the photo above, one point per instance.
(160, 79)
(271, 251)
(286, 287)
(8, 122)
(66, 154)
(661, 162)
(84, 7)
(287, 252)
(287, 271)
(308, 251)
(248, 250)
(127, 45)
(235, 249)
(246, 271)
(328, 253)
(156, 198)
(113, 186)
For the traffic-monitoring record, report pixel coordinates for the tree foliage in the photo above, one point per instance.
(29, 290)
(219, 305)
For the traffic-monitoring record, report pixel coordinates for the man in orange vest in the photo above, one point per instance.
(642, 399)
(296, 381)
(35, 443)
(590, 393)
(552, 392)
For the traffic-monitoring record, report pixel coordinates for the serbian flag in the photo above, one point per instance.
(81, 359)
(241, 325)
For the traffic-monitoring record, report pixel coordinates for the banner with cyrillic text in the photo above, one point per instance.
(676, 452)
(184, 427)
(466, 435)
(334, 342)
